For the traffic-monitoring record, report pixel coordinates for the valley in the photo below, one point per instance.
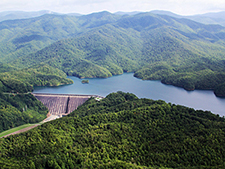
(121, 129)
(177, 51)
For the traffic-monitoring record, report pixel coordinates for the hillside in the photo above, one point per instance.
(103, 52)
(180, 52)
(24, 36)
(121, 131)
(174, 50)
(17, 106)
(19, 109)
(22, 81)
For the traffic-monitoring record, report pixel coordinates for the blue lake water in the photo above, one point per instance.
(198, 99)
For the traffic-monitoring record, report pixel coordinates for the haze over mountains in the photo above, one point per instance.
(207, 18)
(12, 15)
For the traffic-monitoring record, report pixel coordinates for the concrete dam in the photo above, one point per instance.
(62, 104)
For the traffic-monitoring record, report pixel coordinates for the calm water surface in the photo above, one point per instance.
(198, 99)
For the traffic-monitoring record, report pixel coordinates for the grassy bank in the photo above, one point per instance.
(16, 129)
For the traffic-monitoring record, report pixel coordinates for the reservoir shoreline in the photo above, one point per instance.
(152, 89)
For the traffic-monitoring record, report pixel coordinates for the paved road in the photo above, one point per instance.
(22, 130)
(52, 117)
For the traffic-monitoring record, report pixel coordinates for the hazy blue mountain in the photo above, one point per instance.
(168, 13)
(74, 14)
(208, 18)
(12, 15)
(127, 13)
(215, 14)
(93, 20)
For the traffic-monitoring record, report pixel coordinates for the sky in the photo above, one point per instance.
(182, 7)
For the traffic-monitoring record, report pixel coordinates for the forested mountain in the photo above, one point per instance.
(210, 18)
(41, 51)
(6, 68)
(216, 18)
(121, 131)
(22, 37)
(174, 50)
(17, 106)
(19, 109)
(98, 53)
(22, 81)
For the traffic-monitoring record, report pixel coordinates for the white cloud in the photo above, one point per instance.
(88, 6)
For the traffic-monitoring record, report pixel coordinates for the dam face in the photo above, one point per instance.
(62, 104)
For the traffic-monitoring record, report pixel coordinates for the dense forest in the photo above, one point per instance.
(22, 81)
(19, 109)
(17, 105)
(177, 51)
(121, 131)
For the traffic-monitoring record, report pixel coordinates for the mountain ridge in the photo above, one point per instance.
(13, 15)
(121, 130)
(206, 18)
(110, 45)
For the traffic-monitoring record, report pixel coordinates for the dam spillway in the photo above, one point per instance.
(62, 104)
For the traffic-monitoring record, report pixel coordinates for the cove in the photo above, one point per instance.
(197, 99)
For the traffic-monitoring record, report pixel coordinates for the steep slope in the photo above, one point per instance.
(17, 106)
(186, 59)
(19, 109)
(102, 52)
(121, 131)
(22, 81)
(6, 68)
(180, 51)
(142, 43)
(24, 36)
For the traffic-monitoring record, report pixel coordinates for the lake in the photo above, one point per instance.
(198, 99)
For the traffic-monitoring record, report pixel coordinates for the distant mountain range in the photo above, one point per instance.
(11, 15)
(176, 50)
(207, 18)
